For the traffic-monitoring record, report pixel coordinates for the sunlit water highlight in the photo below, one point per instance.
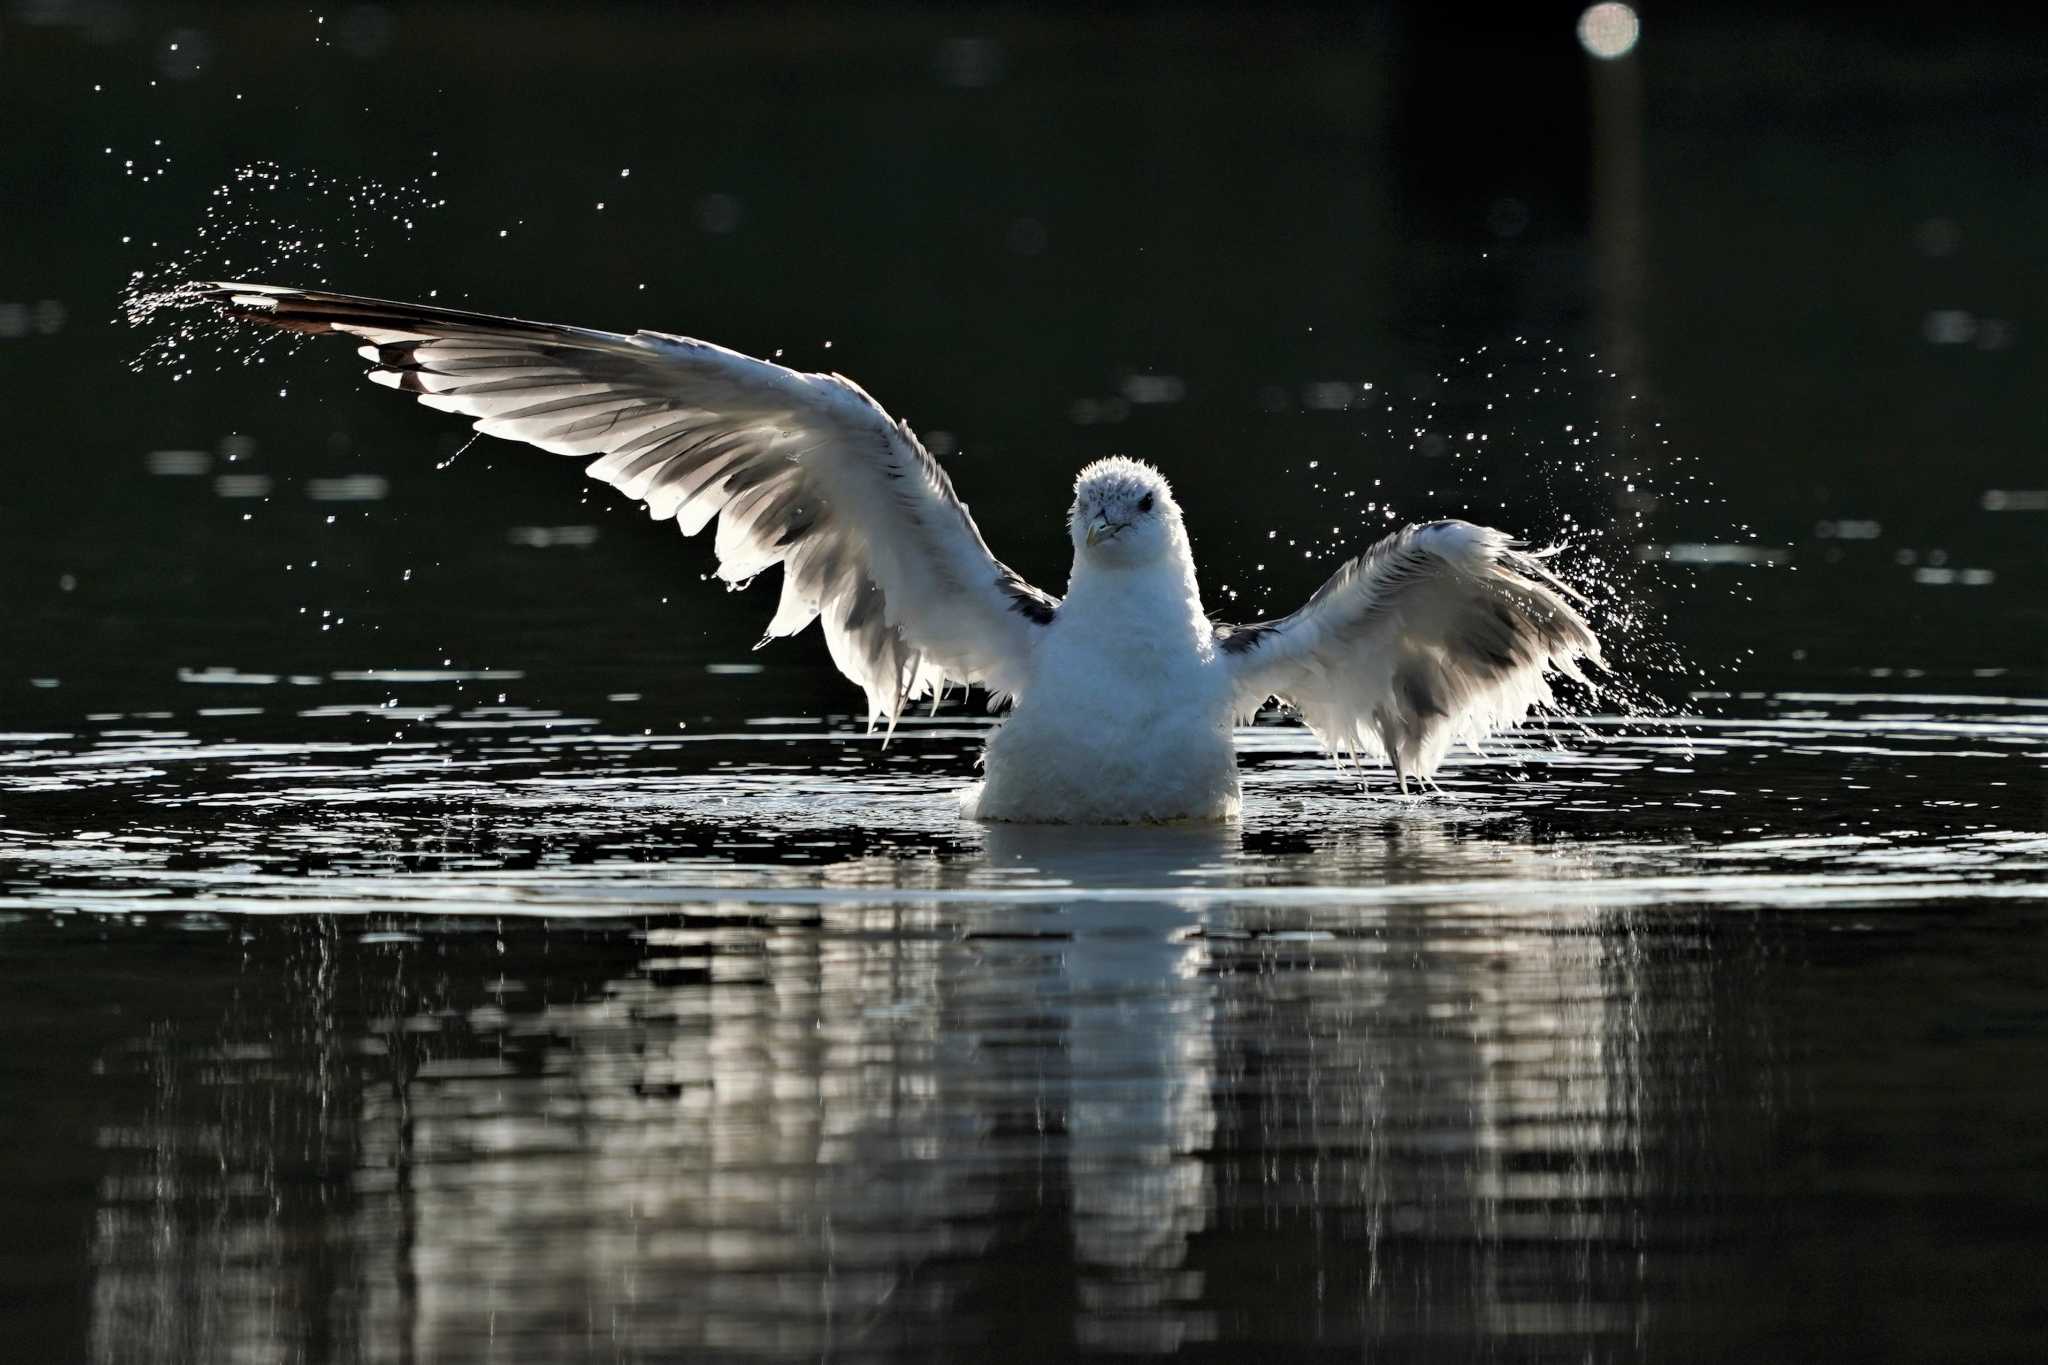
(417, 799)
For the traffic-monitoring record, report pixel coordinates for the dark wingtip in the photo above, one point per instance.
(1241, 639)
(318, 311)
(264, 303)
(1027, 601)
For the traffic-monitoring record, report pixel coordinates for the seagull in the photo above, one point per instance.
(1122, 695)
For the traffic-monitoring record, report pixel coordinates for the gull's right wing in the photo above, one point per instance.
(801, 470)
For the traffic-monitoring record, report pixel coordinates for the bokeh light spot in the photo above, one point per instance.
(1609, 30)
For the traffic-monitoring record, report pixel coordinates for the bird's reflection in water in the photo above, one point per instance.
(1137, 1014)
(1127, 1121)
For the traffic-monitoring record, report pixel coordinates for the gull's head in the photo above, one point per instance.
(1123, 513)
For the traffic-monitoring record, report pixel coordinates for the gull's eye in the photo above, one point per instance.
(1146, 504)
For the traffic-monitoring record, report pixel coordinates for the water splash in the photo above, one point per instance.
(265, 221)
(1543, 439)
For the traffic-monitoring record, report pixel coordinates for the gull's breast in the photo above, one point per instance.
(1119, 735)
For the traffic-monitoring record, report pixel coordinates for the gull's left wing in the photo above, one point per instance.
(1438, 633)
(801, 470)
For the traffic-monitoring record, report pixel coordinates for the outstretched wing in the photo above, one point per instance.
(1437, 633)
(802, 470)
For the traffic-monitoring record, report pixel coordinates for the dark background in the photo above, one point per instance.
(1808, 248)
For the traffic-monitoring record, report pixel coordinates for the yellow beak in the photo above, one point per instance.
(1099, 530)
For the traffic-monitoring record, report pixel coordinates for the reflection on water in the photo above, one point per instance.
(767, 1055)
(860, 1131)
(863, 1129)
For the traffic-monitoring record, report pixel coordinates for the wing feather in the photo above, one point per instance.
(1438, 633)
(804, 471)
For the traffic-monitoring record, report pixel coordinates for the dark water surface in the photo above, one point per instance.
(427, 933)
(517, 1034)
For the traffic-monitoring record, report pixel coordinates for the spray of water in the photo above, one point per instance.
(264, 222)
(1543, 440)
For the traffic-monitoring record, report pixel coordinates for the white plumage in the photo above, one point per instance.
(1124, 693)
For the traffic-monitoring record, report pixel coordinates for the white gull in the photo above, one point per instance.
(1122, 694)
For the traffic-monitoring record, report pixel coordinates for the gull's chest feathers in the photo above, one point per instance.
(1126, 717)
(1131, 648)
